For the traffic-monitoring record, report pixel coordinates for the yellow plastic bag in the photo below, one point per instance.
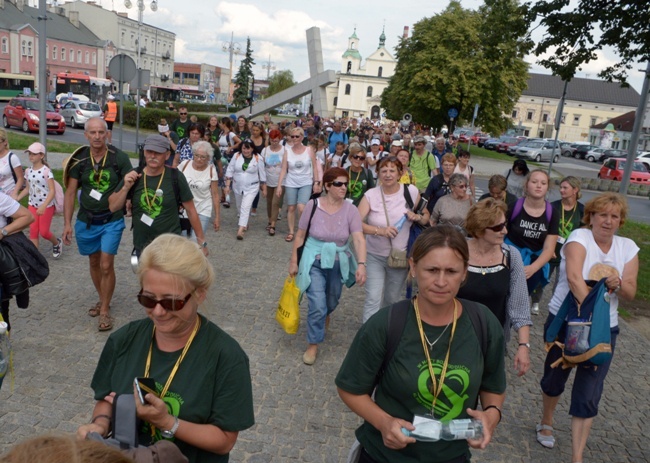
(288, 313)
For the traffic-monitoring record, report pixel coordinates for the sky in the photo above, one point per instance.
(277, 30)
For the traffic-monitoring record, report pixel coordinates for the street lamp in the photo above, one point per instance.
(232, 48)
(141, 7)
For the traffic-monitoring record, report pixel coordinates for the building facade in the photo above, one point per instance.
(209, 79)
(616, 133)
(357, 92)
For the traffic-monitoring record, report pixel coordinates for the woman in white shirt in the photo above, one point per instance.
(12, 177)
(273, 155)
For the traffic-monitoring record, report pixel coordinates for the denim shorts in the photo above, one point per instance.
(105, 238)
(295, 196)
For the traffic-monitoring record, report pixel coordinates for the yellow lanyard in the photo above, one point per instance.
(563, 223)
(146, 192)
(435, 391)
(356, 180)
(101, 171)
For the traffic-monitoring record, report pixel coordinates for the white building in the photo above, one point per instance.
(157, 45)
(357, 92)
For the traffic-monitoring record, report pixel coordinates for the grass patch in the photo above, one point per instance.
(640, 233)
(20, 142)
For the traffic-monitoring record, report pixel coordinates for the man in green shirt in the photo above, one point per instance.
(423, 164)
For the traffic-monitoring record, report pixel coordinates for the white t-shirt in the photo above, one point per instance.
(299, 171)
(322, 155)
(8, 207)
(335, 160)
(200, 182)
(622, 251)
(38, 185)
(273, 165)
(7, 183)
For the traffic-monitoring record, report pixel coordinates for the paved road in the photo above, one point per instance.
(298, 413)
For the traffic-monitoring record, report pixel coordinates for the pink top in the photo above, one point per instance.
(396, 206)
(335, 227)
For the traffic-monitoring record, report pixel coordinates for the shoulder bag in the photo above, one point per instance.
(397, 258)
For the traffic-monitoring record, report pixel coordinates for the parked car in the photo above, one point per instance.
(581, 151)
(611, 153)
(540, 150)
(23, 112)
(594, 154)
(511, 151)
(569, 148)
(613, 169)
(506, 143)
(644, 158)
(465, 136)
(76, 113)
(479, 138)
(491, 143)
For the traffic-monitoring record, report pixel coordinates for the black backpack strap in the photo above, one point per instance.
(397, 315)
(177, 190)
(479, 322)
(407, 197)
(13, 173)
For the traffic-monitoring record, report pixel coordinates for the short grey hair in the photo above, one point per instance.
(204, 146)
(95, 119)
(457, 179)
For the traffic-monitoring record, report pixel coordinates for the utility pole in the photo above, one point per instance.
(42, 71)
(233, 48)
(269, 67)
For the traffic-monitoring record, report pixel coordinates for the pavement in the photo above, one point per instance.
(299, 416)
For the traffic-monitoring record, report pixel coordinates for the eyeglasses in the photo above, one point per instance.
(362, 158)
(182, 114)
(171, 304)
(201, 156)
(295, 136)
(339, 184)
(497, 228)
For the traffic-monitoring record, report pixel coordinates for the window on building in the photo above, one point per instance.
(71, 55)
(369, 91)
(526, 133)
(593, 121)
(144, 64)
(87, 57)
(545, 117)
(564, 118)
(123, 38)
(79, 56)
(514, 114)
(380, 71)
(29, 48)
(615, 145)
(529, 115)
(5, 45)
(336, 100)
(47, 51)
(54, 52)
(349, 67)
(94, 58)
(132, 41)
(62, 53)
(576, 119)
(347, 89)
(24, 48)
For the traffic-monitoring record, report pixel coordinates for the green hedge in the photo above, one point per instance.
(194, 107)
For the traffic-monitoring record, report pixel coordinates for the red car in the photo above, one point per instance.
(613, 169)
(23, 112)
(465, 136)
(507, 143)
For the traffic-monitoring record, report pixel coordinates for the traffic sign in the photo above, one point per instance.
(452, 113)
(122, 68)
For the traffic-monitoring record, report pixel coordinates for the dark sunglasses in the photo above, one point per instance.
(171, 305)
(296, 136)
(363, 158)
(497, 228)
(182, 114)
(339, 184)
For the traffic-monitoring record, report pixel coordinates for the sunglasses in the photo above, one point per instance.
(296, 136)
(171, 305)
(497, 228)
(362, 158)
(182, 114)
(339, 184)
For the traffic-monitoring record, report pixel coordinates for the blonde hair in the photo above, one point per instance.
(3, 134)
(63, 449)
(297, 130)
(482, 215)
(575, 183)
(600, 203)
(177, 256)
(355, 148)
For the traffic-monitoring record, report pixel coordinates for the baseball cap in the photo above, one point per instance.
(329, 129)
(419, 139)
(36, 148)
(396, 143)
(375, 141)
(156, 143)
(111, 97)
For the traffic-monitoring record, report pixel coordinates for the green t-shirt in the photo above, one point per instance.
(422, 167)
(569, 221)
(99, 180)
(212, 385)
(181, 128)
(359, 183)
(163, 210)
(404, 389)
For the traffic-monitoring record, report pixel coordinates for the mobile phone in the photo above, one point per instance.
(421, 206)
(145, 386)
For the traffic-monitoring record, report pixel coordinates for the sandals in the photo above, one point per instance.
(94, 310)
(226, 204)
(105, 322)
(289, 238)
(545, 441)
(271, 231)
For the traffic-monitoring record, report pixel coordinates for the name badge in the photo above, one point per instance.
(95, 194)
(145, 219)
(561, 240)
(350, 200)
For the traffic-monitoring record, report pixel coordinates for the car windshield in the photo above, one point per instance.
(89, 107)
(534, 144)
(636, 167)
(33, 106)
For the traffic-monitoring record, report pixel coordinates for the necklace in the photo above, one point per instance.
(431, 344)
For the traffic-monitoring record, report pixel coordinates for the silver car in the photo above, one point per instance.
(76, 113)
(538, 150)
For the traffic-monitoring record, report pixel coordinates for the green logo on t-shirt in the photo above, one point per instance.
(99, 180)
(451, 401)
(180, 131)
(149, 197)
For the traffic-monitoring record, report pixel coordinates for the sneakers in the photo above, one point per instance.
(57, 249)
(535, 309)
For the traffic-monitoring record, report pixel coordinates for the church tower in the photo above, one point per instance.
(351, 62)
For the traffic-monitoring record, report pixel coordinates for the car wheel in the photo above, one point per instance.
(61, 132)
(556, 159)
(73, 124)
(538, 158)
(591, 159)
(5, 122)
(25, 126)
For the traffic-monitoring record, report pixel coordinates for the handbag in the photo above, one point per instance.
(397, 258)
(288, 313)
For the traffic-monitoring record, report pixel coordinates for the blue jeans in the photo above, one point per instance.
(383, 284)
(323, 294)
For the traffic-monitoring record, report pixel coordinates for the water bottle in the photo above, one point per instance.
(5, 350)
(400, 223)
(469, 428)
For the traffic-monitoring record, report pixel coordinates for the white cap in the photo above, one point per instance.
(111, 97)
(396, 143)
(375, 141)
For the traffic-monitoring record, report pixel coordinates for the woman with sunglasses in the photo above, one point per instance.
(495, 275)
(453, 208)
(327, 261)
(203, 385)
(300, 176)
(361, 178)
(382, 209)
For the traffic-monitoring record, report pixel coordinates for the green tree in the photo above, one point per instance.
(573, 36)
(244, 78)
(280, 80)
(460, 58)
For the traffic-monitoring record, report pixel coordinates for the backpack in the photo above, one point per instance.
(588, 334)
(85, 163)
(58, 198)
(519, 205)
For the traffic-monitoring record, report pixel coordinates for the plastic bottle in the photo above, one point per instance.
(400, 223)
(432, 431)
(5, 350)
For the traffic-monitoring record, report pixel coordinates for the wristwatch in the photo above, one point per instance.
(4, 232)
(169, 434)
(527, 344)
(204, 244)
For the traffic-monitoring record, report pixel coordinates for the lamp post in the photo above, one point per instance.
(141, 8)
(233, 48)
(269, 67)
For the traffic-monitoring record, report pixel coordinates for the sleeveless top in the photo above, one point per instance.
(299, 169)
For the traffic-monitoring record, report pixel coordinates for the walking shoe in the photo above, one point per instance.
(535, 309)
(57, 249)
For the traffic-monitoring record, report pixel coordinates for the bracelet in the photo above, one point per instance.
(110, 420)
(497, 408)
(524, 344)
(362, 263)
(376, 231)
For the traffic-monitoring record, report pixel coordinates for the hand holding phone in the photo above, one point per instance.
(145, 386)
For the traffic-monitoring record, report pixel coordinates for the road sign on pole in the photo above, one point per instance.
(122, 69)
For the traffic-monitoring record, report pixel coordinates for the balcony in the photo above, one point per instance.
(164, 77)
(166, 55)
